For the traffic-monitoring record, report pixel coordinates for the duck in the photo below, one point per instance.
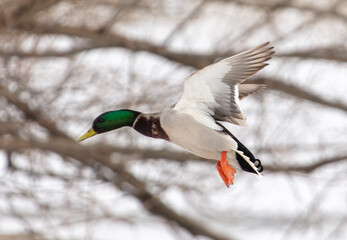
(211, 96)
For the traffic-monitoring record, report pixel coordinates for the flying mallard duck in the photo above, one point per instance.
(210, 96)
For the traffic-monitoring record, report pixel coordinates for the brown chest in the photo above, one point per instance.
(149, 125)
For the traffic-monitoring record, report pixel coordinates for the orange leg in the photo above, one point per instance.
(225, 170)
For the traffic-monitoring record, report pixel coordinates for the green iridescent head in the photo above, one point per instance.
(110, 121)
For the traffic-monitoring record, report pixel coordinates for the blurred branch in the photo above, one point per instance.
(184, 22)
(101, 39)
(297, 92)
(29, 113)
(48, 53)
(104, 39)
(336, 54)
(333, 11)
(111, 40)
(138, 190)
(310, 167)
(25, 10)
(63, 147)
(198, 60)
(29, 236)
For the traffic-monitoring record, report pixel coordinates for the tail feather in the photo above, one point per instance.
(245, 157)
(250, 163)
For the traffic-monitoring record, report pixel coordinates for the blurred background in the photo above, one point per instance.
(62, 63)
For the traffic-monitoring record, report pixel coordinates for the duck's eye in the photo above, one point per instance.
(101, 120)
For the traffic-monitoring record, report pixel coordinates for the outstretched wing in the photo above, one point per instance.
(212, 93)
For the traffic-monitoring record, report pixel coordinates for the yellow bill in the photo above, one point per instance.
(88, 134)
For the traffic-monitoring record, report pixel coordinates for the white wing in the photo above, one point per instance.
(212, 93)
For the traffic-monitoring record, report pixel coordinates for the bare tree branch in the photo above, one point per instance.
(301, 93)
(333, 11)
(333, 53)
(30, 114)
(85, 156)
(106, 39)
(309, 167)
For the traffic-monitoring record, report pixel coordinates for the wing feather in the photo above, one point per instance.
(247, 89)
(213, 93)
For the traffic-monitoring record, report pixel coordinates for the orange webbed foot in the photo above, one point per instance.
(225, 170)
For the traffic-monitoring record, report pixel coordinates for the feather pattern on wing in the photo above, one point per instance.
(246, 89)
(212, 93)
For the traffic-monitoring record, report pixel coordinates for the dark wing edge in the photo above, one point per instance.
(243, 66)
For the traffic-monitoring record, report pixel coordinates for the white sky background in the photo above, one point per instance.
(268, 205)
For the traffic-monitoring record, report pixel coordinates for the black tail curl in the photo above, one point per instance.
(243, 163)
(257, 164)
